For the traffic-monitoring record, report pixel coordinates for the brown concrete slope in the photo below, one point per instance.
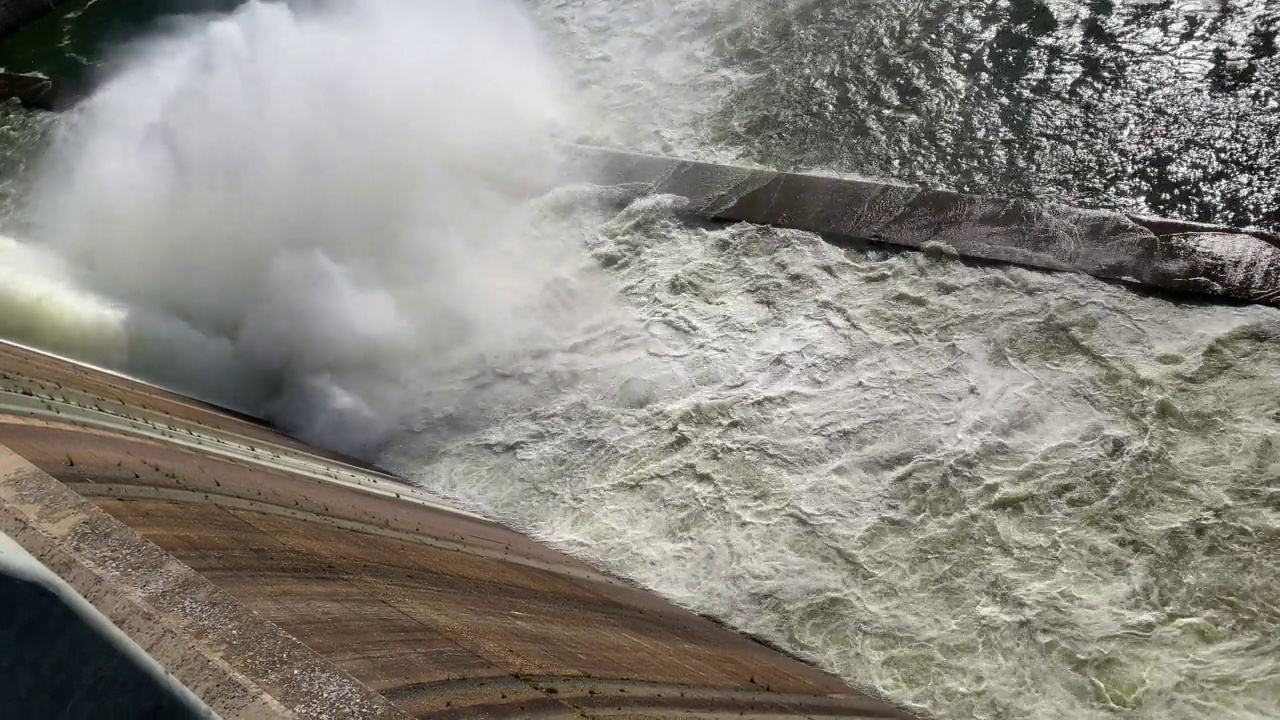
(31, 90)
(1216, 262)
(43, 370)
(239, 665)
(442, 614)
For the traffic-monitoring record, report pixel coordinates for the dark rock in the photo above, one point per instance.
(31, 90)
(15, 14)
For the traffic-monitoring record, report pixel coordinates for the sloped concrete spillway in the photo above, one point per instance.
(1212, 261)
(272, 580)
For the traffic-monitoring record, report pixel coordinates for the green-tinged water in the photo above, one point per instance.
(1163, 106)
(79, 37)
(23, 134)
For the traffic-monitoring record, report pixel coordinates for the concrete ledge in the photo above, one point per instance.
(54, 645)
(1216, 262)
(240, 665)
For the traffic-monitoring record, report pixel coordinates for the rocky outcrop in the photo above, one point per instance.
(1219, 262)
(35, 91)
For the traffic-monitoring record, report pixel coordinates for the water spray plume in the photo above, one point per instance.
(290, 203)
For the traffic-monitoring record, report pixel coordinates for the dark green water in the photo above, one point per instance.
(74, 41)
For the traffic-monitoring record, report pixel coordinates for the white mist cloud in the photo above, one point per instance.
(305, 209)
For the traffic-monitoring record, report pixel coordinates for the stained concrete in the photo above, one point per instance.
(1211, 261)
(238, 664)
(275, 581)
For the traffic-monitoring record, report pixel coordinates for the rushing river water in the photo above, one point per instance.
(984, 491)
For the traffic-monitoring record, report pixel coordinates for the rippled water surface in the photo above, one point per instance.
(984, 491)
(1167, 106)
(1163, 106)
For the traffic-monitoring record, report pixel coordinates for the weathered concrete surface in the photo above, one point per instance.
(443, 614)
(1163, 254)
(238, 664)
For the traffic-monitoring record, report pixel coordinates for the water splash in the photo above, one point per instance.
(326, 197)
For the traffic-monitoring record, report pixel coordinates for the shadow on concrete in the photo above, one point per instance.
(56, 666)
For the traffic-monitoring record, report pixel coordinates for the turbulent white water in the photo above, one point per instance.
(989, 491)
(985, 491)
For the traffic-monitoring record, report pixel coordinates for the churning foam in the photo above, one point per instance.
(292, 208)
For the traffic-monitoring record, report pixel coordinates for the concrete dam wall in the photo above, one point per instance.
(272, 580)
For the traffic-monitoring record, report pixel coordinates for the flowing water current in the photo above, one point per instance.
(983, 491)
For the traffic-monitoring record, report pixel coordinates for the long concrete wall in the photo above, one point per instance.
(274, 581)
(1214, 262)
